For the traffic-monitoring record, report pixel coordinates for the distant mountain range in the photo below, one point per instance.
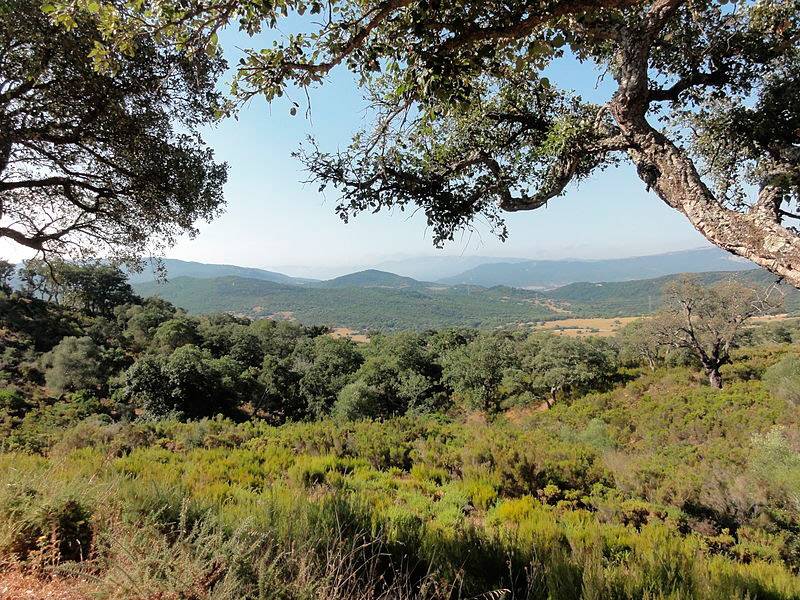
(481, 270)
(434, 268)
(375, 299)
(548, 274)
(181, 268)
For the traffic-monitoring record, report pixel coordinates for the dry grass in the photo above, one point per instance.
(346, 332)
(585, 327)
(16, 585)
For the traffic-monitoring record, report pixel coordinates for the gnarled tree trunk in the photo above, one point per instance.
(756, 234)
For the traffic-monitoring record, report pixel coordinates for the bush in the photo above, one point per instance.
(783, 379)
(74, 364)
(188, 382)
(357, 401)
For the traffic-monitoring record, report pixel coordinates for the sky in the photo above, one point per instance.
(275, 221)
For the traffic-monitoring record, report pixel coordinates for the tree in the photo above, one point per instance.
(476, 370)
(374, 393)
(95, 288)
(706, 319)
(706, 104)
(549, 364)
(325, 365)
(638, 341)
(142, 320)
(92, 287)
(92, 160)
(359, 400)
(188, 382)
(281, 390)
(564, 363)
(42, 280)
(178, 331)
(246, 349)
(74, 364)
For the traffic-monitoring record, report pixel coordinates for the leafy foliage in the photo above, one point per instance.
(101, 161)
(783, 379)
(74, 364)
(638, 482)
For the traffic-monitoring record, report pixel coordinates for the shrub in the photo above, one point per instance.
(74, 364)
(358, 400)
(783, 379)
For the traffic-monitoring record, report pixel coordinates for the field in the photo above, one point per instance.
(350, 334)
(601, 327)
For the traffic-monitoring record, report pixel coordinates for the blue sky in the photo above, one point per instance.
(275, 221)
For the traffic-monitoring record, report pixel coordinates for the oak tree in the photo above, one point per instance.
(101, 162)
(706, 320)
(706, 102)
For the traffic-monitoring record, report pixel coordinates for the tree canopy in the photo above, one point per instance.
(107, 161)
(706, 104)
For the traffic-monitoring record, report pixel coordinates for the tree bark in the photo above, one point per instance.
(714, 377)
(552, 400)
(754, 235)
(664, 167)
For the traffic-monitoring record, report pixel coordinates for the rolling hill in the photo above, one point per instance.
(639, 297)
(372, 278)
(377, 299)
(364, 306)
(548, 274)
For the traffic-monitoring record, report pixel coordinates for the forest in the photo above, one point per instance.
(150, 453)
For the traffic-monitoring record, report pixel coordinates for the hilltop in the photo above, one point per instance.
(373, 278)
(375, 299)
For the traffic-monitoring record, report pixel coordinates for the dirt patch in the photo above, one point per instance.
(15, 585)
(282, 315)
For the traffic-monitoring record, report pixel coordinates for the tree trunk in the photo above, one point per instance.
(754, 235)
(664, 167)
(552, 400)
(714, 378)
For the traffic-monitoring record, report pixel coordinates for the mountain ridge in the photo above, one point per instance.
(425, 305)
(551, 274)
(199, 270)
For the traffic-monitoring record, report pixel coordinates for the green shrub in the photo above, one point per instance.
(783, 379)
(74, 364)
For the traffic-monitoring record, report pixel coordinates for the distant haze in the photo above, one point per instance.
(490, 271)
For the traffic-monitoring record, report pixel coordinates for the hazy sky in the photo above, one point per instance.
(273, 220)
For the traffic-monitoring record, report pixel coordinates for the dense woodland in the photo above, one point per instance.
(147, 451)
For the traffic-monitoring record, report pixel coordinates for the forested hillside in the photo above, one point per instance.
(213, 456)
(352, 302)
(379, 300)
(615, 299)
